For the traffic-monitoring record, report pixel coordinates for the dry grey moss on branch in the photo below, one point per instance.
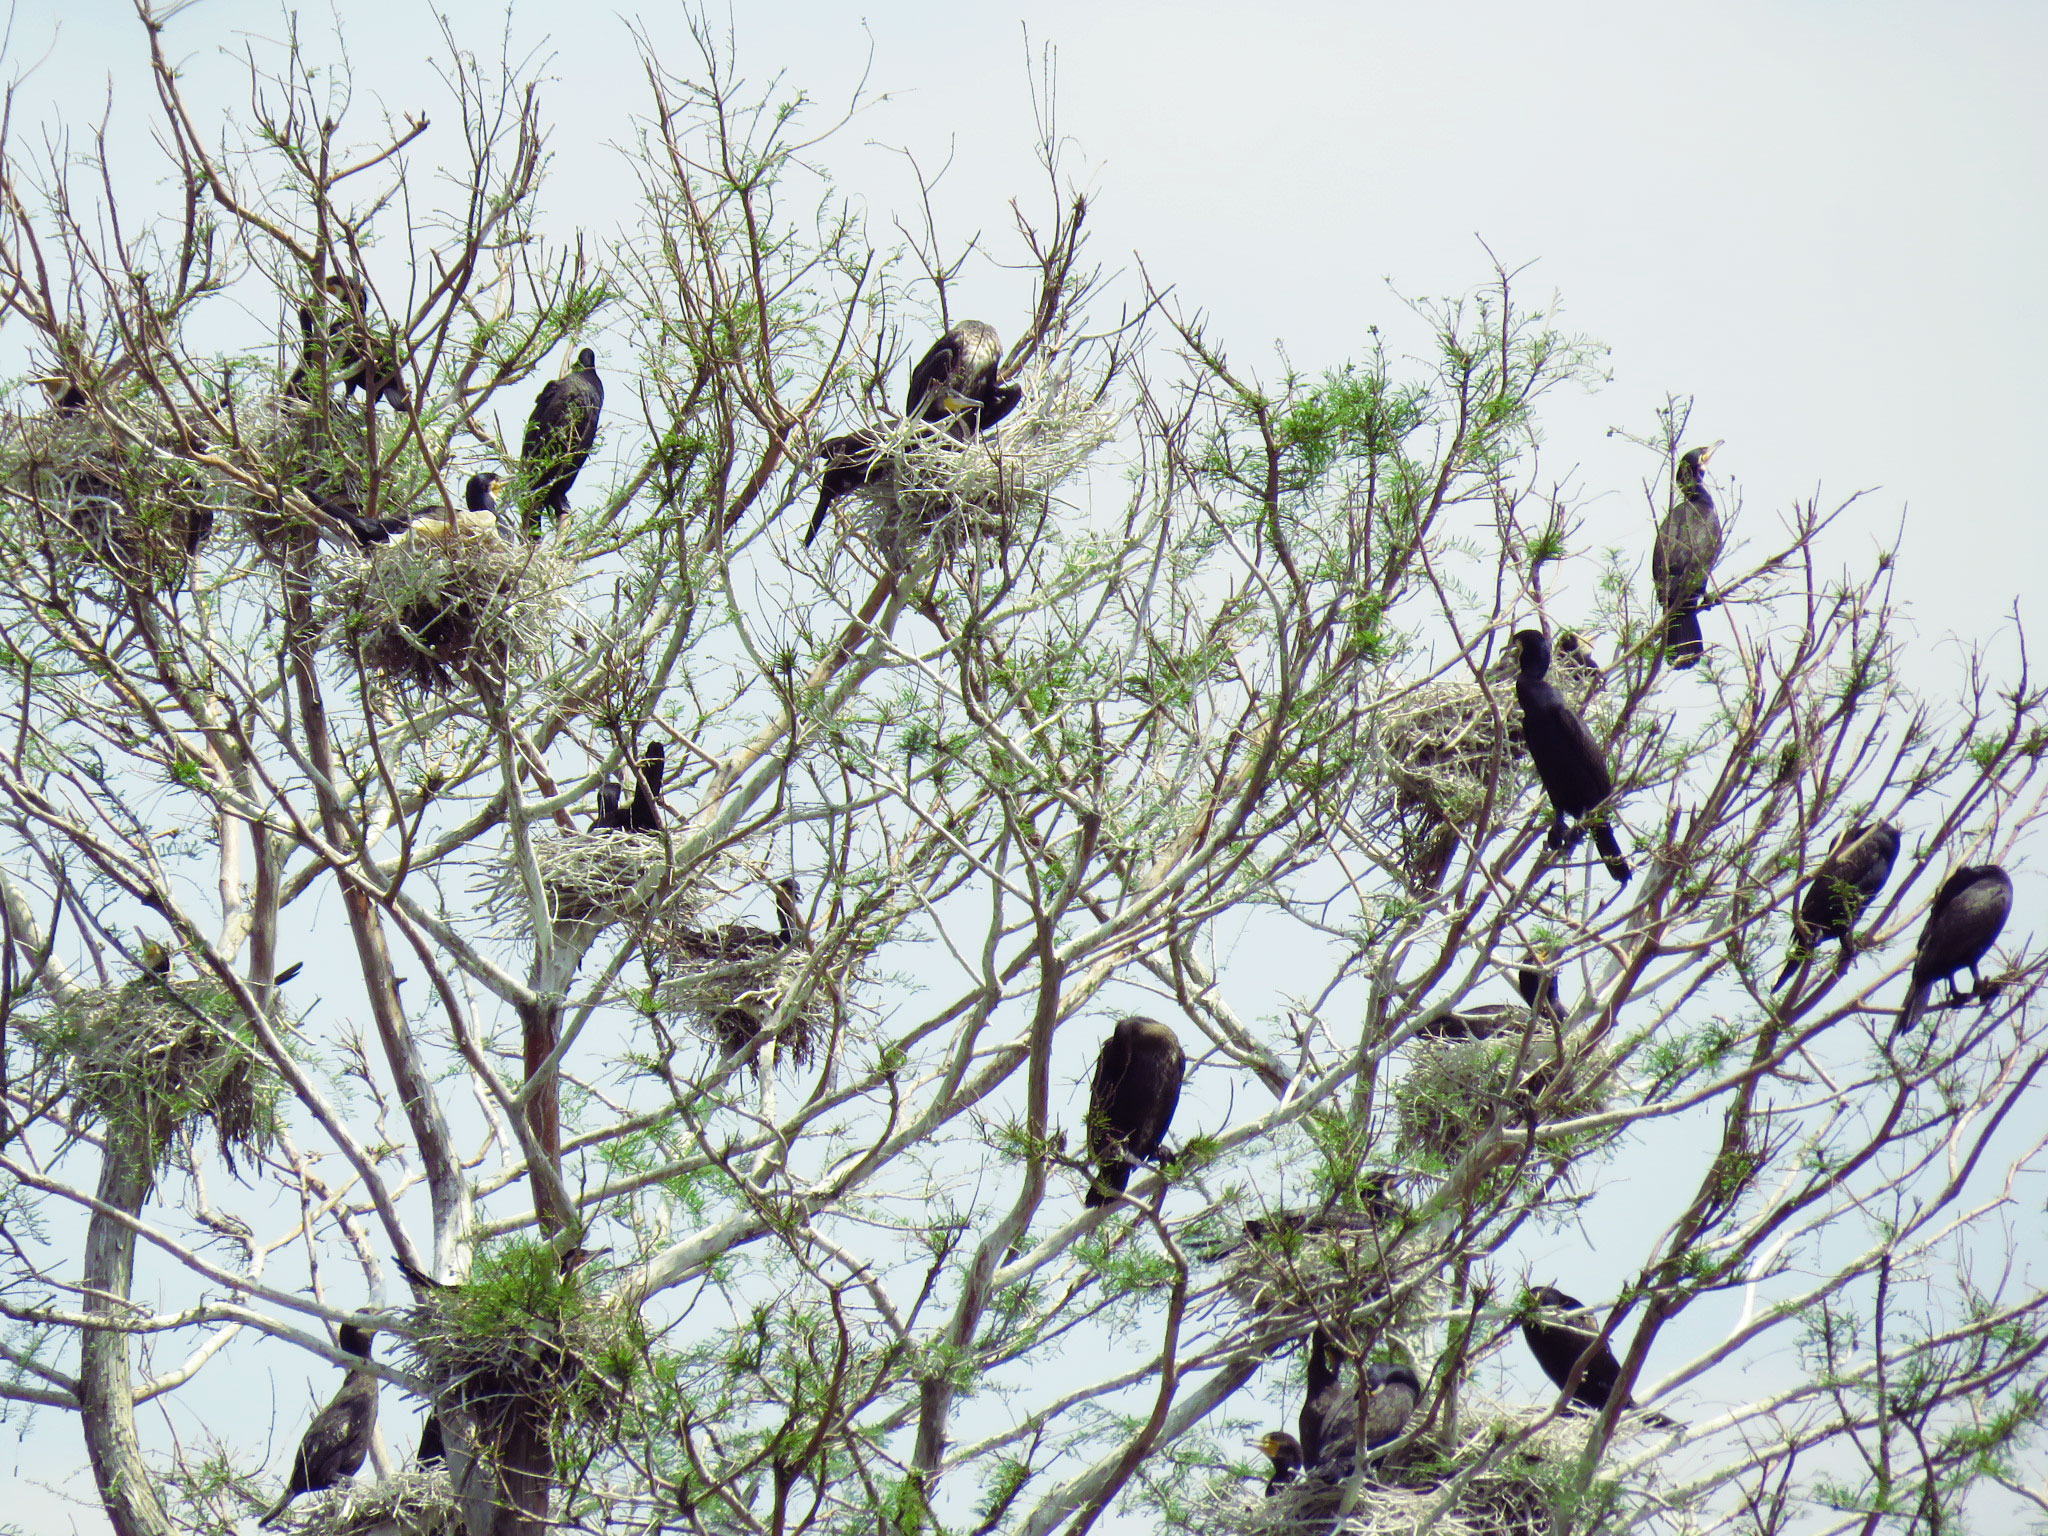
(157, 1056)
(992, 486)
(439, 602)
(130, 508)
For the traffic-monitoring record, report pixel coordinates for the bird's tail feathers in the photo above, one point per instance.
(1799, 956)
(1610, 851)
(1112, 1181)
(1916, 1004)
(1684, 641)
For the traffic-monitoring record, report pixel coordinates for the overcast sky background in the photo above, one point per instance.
(1824, 221)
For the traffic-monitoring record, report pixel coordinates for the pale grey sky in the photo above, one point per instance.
(1824, 220)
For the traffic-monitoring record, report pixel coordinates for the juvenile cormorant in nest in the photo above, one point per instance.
(1285, 1453)
(1688, 544)
(1576, 666)
(1383, 1404)
(643, 814)
(1568, 760)
(559, 437)
(1560, 1341)
(339, 1437)
(1137, 1086)
(611, 808)
(1854, 871)
(953, 386)
(479, 515)
(1968, 912)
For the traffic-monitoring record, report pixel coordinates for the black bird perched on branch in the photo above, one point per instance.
(1285, 1452)
(1681, 563)
(1576, 666)
(1568, 760)
(339, 1437)
(559, 437)
(1537, 983)
(953, 386)
(1968, 912)
(644, 813)
(1855, 870)
(1559, 1343)
(1136, 1089)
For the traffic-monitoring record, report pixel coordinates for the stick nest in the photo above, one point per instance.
(520, 1337)
(1439, 742)
(1491, 1489)
(414, 1501)
(597, 877)
(1455, 1090)
(127, 506)
(735, 984)
(1348, 1270)
(424, 611)
(155, 1056)
(961, 494)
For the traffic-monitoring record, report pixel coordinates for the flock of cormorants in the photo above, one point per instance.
(1141, 1066)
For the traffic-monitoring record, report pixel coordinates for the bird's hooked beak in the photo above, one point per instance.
(954, 402)
(1710, 450)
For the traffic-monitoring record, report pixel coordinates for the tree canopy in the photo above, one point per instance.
(651, 969)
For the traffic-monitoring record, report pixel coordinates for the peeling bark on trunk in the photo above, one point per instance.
(105, 1390)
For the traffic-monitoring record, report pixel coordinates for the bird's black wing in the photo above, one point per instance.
(1172, 1073)
(936, 367)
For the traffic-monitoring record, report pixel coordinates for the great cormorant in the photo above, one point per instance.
(367, 530)
(852, 460)
(559, 437)
(339, 1437)
(611, 808)
(1688, 544)
(1384, 1402)
(1535, 979)
(1576, 668)
(1854, 871)
(643, 813)
(1560, 1341)
(1568, 760)
(1962, 925)
(1136, 1088)
(1285, 1453)
(953, 386)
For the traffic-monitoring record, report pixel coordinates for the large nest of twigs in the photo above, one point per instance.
(156, 1056)
(1353, 1269)
(961, 495)
(120, 502)
(305, 446)
(1484, 1484)
(596, 877)
(1439, 743)
(414, 1501)
(1527, 1072)
(736, 985)
(426, 611)
(525, 1340)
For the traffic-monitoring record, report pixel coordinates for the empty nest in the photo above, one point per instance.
(155, 1056)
